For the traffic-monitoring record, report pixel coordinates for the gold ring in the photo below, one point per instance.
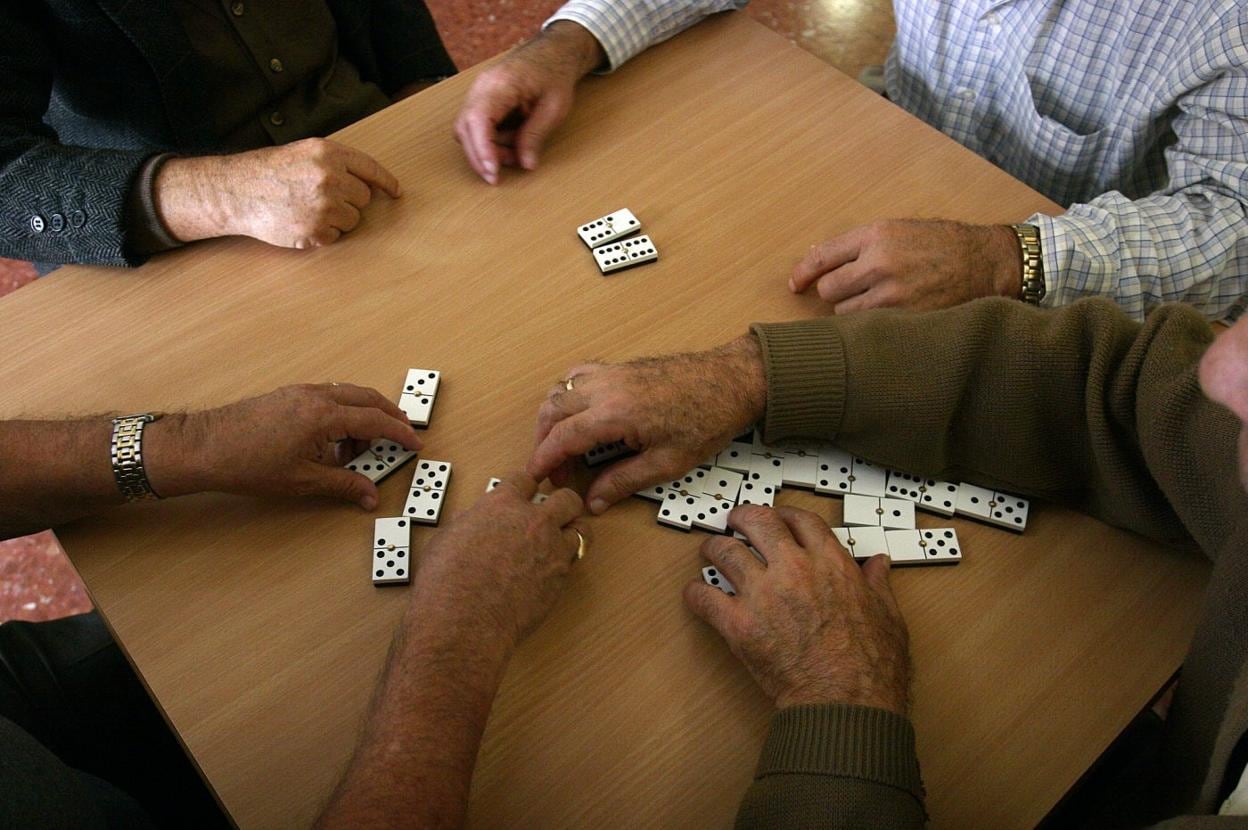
(568, 383)
(581, 547)
(333, 383)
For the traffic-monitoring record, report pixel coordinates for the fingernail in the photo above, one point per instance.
(597, 507)
(529, 160)
(792, 285)
(369, 502)
(491, 169)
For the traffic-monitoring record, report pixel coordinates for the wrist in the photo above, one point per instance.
(742, 361)
(189, 200)
(173, 456)
(894, 700)
(575, 48)
(1006, 255)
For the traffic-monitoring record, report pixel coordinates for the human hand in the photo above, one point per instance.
(674, 410)
(810, 625)
(515, 104)
(915, 264)
(300, 195)
(290, 442)
(503, 561)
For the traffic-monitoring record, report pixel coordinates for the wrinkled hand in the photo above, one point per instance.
(674, 410)
(514, 105)
(504, 561)
(915, 264)
(301, 195)
(290, 442)
(810, 625)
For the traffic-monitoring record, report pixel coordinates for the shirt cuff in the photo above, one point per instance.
(805, 365)
(145, 232)
(843, 740)
(615, 48)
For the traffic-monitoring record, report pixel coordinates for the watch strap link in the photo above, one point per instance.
(126, 451)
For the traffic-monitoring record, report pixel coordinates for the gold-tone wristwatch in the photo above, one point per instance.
(1033, 263)
(126, 450)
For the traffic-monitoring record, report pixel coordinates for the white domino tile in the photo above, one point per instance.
(391, 559)
(930, 546)
(433, 474)
(721, 483)
(603, 453)
(801, 468)
(677, 510)
(608, 228)
(834, 471)
(422, 382)
(861, 542)
(711, 576)
(1009, 512)
(860, 511)
(766, 468)
(938, 497)
(757, 493)
(736, 456)
(380, 460)
(868, 479)
(424, 505)
(973, 502)
(417, 408)
(620, 255)
(711, 513)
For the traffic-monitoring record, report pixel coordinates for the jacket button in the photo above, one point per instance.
(56, 222)
(277, 119)
(77, 219)
(36, 223)
(238, 9)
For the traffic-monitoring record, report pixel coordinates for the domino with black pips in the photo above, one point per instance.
(428, 492)
(420, 390)
(711, 576)
(381, 459)
(603, 453)
(392, 541)
(929, 546)
(993, 507)
(620, 255)
(609, 228)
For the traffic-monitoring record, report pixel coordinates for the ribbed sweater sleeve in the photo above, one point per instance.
(836, 766)
(1079, 405)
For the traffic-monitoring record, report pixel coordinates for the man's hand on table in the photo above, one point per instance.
(289, 442)
(502, 563)
(810, 625)
(915, 264)
(674, 410)
(491, 576)
(515, 104)
(301, 195)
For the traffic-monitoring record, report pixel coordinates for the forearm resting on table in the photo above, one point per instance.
(52, 472)
(420, 744)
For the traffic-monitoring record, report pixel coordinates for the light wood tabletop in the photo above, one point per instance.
(254, 623)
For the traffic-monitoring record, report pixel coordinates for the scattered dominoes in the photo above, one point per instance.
(392, 541)
(428, 492)
(380, 460)
(712, 577)
(609, 228)
(620, 255)
(419, 392)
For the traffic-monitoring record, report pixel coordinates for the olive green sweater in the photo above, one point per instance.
(1078, 406)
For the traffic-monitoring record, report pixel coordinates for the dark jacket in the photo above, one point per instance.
(90, 89)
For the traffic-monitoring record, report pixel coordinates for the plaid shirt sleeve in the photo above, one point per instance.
(628, 27)
(1187, 242)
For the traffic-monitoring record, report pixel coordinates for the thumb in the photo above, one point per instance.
(551, 109)
(876, 571)
(341, 483)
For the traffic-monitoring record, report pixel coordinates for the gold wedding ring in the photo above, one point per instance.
(580, 543)
(568, 383)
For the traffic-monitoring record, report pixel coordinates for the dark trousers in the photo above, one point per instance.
(81, 743)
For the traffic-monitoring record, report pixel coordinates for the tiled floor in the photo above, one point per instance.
(37, 581)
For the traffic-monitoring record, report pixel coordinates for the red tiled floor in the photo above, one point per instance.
(36, 580)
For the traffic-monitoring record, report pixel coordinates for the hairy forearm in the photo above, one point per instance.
(189, 199)
(420, 744)
(73, 476)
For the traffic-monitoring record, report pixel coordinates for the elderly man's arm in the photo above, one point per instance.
(291, 442)
(483, 583)
(513, 106)
(1081, 405)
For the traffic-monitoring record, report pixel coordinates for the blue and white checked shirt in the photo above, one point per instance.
(1132, 113)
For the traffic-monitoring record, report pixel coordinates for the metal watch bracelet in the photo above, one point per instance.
(1033, 263)
(126, 451)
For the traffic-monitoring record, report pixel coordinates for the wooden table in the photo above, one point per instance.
(254, 623)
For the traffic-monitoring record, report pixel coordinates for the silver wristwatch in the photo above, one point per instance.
(1033, 263)
(126, 450)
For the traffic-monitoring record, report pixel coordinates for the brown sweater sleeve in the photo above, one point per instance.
(1078, 405)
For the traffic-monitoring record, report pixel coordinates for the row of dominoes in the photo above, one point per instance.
(833, 472)
(930, 546)
(391, 561)
(606, 238)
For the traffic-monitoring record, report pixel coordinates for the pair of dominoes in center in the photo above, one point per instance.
(611, 240)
